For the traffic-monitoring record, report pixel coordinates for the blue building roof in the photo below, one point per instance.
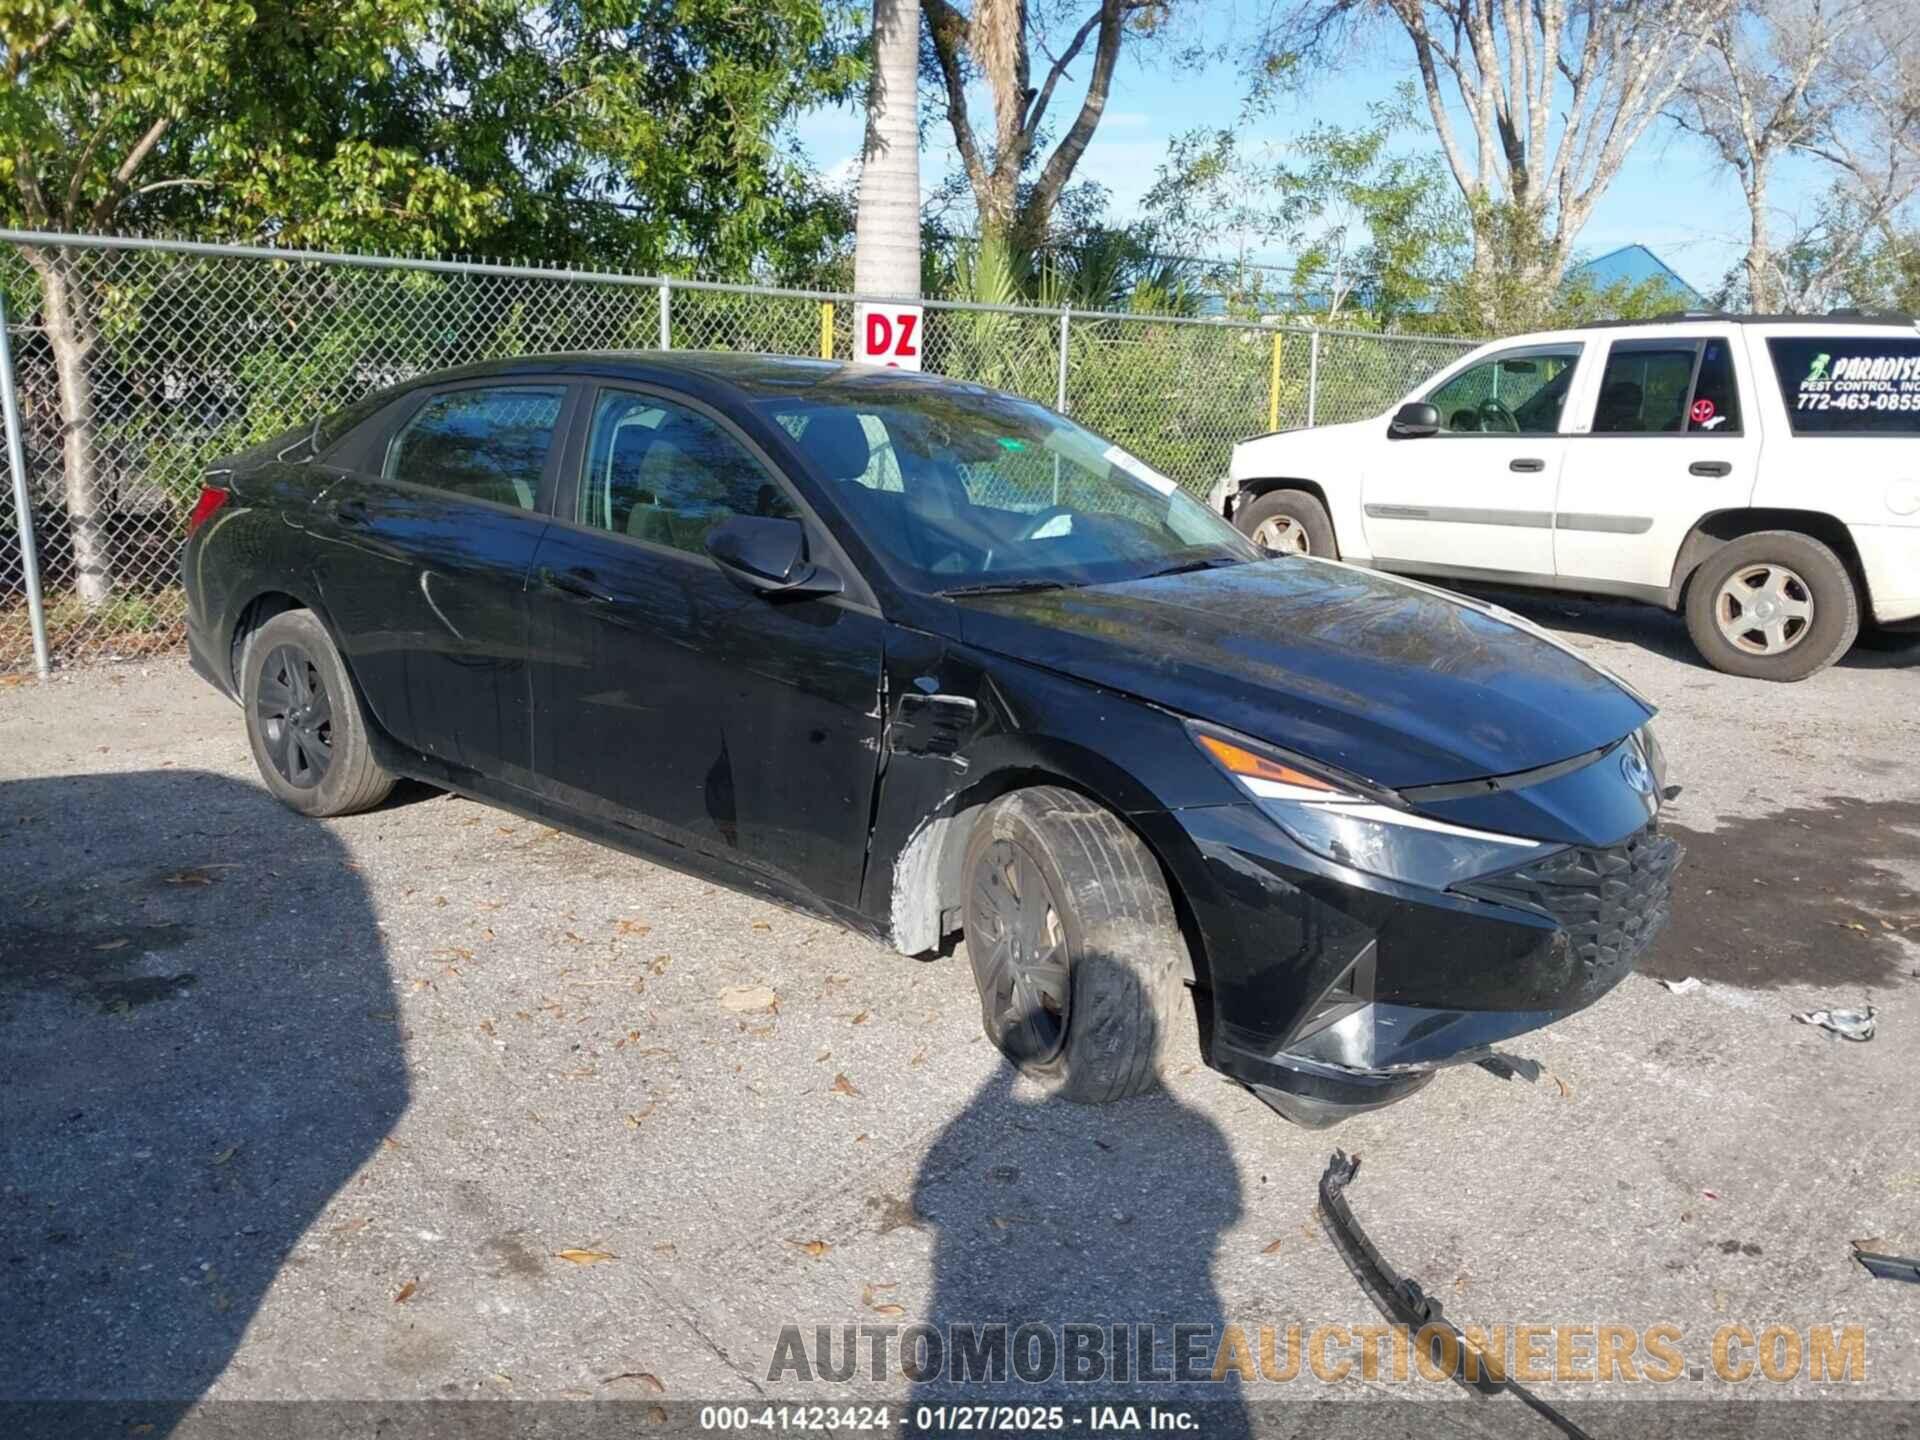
(1635, 265)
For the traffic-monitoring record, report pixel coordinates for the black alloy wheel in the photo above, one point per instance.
(296, 716)
(1020, 958)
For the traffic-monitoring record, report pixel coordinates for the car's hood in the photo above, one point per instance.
(1259, 454)
(1390, 680)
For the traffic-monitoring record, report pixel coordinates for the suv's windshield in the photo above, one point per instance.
(966, 490)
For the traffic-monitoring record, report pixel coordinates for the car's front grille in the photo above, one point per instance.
(1610, 902)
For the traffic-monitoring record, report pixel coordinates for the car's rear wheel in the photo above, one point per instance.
(1776, 605)
(304, 721)
(1074, 944)
(1290, 521)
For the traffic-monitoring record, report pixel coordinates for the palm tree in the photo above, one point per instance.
(886, 252)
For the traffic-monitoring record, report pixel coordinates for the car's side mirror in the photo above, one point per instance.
(768, 556)
(1412, 420)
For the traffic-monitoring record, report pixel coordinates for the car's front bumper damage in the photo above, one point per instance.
(1330, 991)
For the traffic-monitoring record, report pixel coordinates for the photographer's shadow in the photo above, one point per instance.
(202, 1048)
(1050, 1215)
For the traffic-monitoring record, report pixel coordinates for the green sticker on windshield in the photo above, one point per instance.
(1007, 442)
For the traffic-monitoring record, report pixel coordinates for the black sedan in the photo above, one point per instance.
(933, 659)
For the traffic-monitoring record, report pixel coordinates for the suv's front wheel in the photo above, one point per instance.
(1776, 605)
(1290, 521)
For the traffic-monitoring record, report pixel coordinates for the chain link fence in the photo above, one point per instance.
(136, 363)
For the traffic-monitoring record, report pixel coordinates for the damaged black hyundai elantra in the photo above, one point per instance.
(936, 661)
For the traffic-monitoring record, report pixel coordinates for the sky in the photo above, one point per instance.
(1672, 195)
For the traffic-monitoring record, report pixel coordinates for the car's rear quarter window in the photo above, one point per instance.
(1849, 384)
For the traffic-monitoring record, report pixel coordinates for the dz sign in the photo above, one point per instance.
(887, 335)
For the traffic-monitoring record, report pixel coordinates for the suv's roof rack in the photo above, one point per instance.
(1734, 317)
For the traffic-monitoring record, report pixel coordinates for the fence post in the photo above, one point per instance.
(1060, 390)
(666, 315)
(1273, 385)
(17, 463)
(826, 329)
(1313, 374)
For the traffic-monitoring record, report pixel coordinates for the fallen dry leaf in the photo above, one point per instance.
(748, 999)
(189, 877)
(585, 1257)
(863, 1017)
(843, 1086)
(890, 1311)
(119, 944)
(1275, 1248)
(870, 1291)
(406, 1291)
(637, 1377)
(634, 1117)
(814, 1249)
(227, 1154)
(630, 927)
(761, 925)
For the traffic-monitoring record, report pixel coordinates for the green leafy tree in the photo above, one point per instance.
(1372, 227)
(644, 133)
(259, 118)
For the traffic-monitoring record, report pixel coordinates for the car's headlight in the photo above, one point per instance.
(1357, 825)
(1656, 759)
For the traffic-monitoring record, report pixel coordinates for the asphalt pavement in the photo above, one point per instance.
(437, 1102)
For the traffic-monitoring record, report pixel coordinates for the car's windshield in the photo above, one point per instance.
(966, 490)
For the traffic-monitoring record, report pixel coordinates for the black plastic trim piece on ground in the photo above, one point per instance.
(1403, 1299)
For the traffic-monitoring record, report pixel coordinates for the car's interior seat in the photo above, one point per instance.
(1618, 409)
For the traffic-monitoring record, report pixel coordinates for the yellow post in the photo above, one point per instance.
(826, 329)
(1273, 387)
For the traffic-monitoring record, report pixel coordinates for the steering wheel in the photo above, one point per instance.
(1492, 410)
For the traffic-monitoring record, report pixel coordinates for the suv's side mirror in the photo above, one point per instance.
(1412, 420)
(768, 556)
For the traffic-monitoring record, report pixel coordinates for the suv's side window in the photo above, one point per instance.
(1519, 393)
(486, 443)
(667, 474)
(1679, 387)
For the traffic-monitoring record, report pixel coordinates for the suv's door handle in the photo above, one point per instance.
(1710, 467)
(577, 581)
(1527, 466)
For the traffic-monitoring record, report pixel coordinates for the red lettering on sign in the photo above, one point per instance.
(906, 345)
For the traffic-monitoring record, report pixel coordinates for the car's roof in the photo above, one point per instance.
(712, 374)
(1833, 318)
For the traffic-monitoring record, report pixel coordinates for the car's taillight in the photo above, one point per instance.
(212, 497)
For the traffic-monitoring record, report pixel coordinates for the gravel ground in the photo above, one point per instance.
(437, 1102)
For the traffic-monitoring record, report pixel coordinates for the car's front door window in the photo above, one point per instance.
(1517, 393)
(665, 473)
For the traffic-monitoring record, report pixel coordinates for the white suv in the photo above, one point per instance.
(1761, 473)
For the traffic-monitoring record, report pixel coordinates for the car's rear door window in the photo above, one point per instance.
(667, 474)
(1849, 385)
(1680, 387)
(484, 443)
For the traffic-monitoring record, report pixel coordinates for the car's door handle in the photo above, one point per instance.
(1527, 465)
(577, 581)
(1710, 467)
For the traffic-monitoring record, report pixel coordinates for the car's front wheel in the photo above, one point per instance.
(304, 721)
(1074, 944)
(1289, 521)
(1775, 605)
